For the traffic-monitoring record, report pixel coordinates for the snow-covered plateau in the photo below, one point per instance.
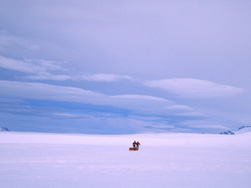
(174, 160)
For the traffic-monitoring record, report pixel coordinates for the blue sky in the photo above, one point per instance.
(119, 67)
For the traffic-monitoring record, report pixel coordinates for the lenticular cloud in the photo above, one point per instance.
(194, 88)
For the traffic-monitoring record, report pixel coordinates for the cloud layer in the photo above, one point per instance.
(194, 88)
(125, 67)
(137, 107)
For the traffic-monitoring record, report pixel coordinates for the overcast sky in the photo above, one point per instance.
(119, 67)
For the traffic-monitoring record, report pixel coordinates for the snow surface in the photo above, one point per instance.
(89, 161)
(243, 130)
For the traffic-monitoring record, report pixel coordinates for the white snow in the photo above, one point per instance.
(243, 130)
(164, 160)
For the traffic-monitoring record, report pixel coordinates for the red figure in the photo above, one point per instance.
(137, 144)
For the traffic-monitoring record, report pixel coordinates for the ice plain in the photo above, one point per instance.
(173, 160)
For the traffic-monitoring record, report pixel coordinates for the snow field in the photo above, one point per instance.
(164, 160)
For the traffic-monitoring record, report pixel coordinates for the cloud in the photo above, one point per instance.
(17, 65)
(140, 97)
(31, 90)
(7, 39)
(30, 66)
(46, 65)
(68, 115)
(49, 76)
(140, 112)
(42, 91)
(194, 88)
(140, 105)
(179, 107)
(143, 104)
(105, 77)
(40, 69)
(86, 77)
(221, 127)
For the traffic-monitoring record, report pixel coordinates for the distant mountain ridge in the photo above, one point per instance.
(227, 132)
(242, 129)
(4, 129)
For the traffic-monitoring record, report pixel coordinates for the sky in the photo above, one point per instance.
(123, 67)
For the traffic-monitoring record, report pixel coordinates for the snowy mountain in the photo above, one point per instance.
(227, 132)
(4, 129)
(244, 129)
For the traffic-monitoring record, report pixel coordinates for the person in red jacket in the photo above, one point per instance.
(137, 144)
(134, 144)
